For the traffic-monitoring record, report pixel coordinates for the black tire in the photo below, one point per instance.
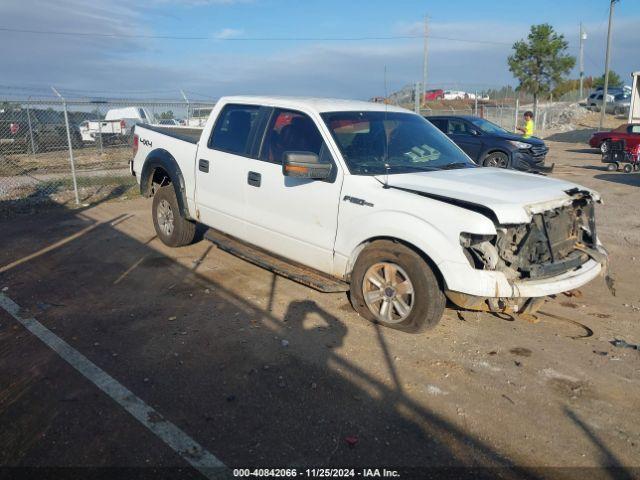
(172, 228)
(627, 168)
(605, 146)
(497, 160)
(612, 167)
(426, 302)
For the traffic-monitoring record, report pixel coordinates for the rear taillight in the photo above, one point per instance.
(135, 145)
(14, 128)
(123, 124)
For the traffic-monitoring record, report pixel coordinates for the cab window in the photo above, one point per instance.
(232, 129)
(291, 131)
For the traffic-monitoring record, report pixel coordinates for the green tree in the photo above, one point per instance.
(540, 62)
(167, 115)
(614, 80)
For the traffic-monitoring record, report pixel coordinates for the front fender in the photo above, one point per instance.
(439, 246)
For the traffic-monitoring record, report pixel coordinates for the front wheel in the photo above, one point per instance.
(496, 159)
(172, 228)
(394, 286)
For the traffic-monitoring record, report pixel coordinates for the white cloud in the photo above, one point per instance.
(344, 69)
(229, 33)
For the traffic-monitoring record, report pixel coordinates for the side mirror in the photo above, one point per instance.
(305, 165)
(475, 132)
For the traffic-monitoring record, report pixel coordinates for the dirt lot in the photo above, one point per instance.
(261, 371)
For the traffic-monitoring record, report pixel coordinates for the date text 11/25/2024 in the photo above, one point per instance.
(316, 472)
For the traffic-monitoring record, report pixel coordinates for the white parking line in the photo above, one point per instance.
(179, 441)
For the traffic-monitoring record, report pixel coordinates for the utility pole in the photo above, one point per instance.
(424, 58)
(606, 64)
(188, 106)
(583, 37)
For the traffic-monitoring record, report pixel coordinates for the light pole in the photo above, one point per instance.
(606, 64)
(583, 37)
(425, 54)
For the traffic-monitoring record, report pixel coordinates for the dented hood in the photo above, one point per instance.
(512, 196)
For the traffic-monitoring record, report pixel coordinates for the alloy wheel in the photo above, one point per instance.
(388, 292)
(165, 217)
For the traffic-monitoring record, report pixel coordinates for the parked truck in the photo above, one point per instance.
(371, 199)
(117, 125)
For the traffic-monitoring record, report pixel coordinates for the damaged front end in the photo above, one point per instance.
(559, 238)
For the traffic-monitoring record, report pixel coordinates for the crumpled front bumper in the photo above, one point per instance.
(525, 162)
(465, 280)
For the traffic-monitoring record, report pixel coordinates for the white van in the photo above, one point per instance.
(131, 116)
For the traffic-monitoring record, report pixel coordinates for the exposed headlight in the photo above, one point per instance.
(520, 145)
(469, 239)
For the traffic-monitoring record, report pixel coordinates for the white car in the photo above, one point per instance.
(369, 198)
(456, 95)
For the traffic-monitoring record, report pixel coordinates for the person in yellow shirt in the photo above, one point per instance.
(529, 126)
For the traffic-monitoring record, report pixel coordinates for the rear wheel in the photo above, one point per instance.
(627, 168)
(172, 228)
(496, 159)
(392, 285)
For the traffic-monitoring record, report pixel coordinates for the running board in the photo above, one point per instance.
(296, 272)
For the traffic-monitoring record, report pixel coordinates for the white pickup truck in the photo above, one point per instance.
(117, 125)
(371, 199)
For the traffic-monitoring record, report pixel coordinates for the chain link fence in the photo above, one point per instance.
(76, 151)
(510, 115)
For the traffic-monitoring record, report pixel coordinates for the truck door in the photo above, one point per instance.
(221, 169)
(295, 218)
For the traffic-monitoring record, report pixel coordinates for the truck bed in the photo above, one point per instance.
(188, 134)
(180, 142)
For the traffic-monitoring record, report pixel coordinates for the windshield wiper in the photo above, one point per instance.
(454, 165)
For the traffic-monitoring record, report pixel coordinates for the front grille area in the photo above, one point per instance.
(550, 242)
(539, 151)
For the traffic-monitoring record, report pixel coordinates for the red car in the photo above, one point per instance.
(629, 132)
(437, 94)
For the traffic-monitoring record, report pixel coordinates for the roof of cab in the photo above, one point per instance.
(317, 104)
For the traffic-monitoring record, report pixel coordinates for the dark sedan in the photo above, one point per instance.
(492, 146)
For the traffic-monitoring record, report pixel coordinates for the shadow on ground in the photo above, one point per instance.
(632, 179)
(254, 387)
(210, 360)
(572, 136)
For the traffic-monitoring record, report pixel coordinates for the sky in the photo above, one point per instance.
(225, 47)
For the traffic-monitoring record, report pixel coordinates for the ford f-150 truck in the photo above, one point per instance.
(371, 199)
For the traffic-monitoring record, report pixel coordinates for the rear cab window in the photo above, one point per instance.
(233, 128)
